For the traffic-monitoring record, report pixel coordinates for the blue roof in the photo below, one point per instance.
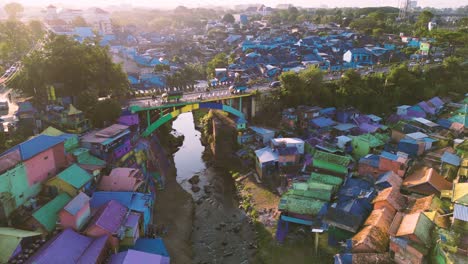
(344, 126)
(36, 145)
(261, 130)
(323, 122)
(389, 155)
(445, 123)
(450, 158)
(151, 245)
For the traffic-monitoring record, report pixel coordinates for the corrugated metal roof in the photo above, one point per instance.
(77, 203)
(460, 212)
(36, 145)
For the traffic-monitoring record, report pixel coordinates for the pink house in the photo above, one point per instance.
(121, 180)
(76, 213)
(43, 156)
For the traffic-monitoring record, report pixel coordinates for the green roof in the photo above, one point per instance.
(83, 157)
(73, 111)
(374, 140)
(47, 214)
(300, 205)
(75, 176)
(319, 191)
(332, 158)
(321, 164)
(10, 238)
(52, 131)
(324, 178)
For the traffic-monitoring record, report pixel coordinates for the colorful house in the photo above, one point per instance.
(391, 199)
(388, 179)
(132, 229)
(266, 162)
(398, 163)
(14, 241)
(72, 180)
(87, 161)
(70, 120)
(298, 143)
(45, 218)
(122, 180)
(460, 193)
(151, 245)
(71, 141)
(108, 221)
(112, 142)
(42, 156)
(460, 218)
(137, 202)
(416, 227)
(133, 256)
(370, 239)
(327, 162)
(263, 135)
(71, 247)
(368, 143)
(288, 156)
(76, 213)
(358, 56)
(426, 181)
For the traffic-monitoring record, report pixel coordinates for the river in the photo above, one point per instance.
(220, 231)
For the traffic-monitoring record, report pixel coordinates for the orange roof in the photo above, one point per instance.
(427, 175)
(370, 240)
(392, 196)
(408, 224)
(381, 218)
(427, 203)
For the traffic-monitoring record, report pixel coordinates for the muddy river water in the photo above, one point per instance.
(221, 232)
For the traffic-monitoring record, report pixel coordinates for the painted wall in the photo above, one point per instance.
(15, 182)
(45, 164)
(77, 221)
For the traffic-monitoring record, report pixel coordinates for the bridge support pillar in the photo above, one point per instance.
(148, 118)
(253, 107)
(240, 104)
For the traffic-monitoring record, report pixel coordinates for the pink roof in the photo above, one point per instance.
(121, 179)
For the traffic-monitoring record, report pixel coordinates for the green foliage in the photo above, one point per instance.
(105, 112)
(16, 39)
(300, 88)
(75, 67)
(420, 26)
(229, 18)
(219, 61)
(161, 68)
(13, 10)
(87, 101)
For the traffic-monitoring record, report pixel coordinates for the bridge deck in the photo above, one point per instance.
(138, 108)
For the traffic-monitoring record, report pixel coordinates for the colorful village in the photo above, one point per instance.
(80, 200)
(363, 187)
(384, 191)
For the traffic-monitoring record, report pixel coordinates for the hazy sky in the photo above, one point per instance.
(273, 3)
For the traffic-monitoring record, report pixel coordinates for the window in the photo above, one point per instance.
(46, 157)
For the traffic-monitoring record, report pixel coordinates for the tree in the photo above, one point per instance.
(229, 18)
(72, 68)
(79, 21)
(421, 24)
(36, 28)
(219, 61)
(15, 40)
(161, 68)
(13, 10)
(105, 112)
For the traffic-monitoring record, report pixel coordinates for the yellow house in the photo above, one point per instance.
(72, 180)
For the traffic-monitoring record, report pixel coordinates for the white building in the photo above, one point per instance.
(288, 142)
(100, 20)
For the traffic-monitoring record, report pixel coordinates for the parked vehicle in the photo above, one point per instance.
(4, 105)
(200, 97)
(172, 96)
(237, 89)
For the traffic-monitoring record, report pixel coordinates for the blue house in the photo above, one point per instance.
(358, 56)
(138, 202)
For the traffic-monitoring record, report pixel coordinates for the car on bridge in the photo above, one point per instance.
(234, 89)
(172, 96)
